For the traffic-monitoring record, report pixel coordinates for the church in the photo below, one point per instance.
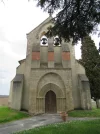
(49, 79)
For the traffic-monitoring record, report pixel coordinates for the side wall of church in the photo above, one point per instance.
(76, 69)
(74, 76)
(17, 95)
(79, 70)
(21, 69)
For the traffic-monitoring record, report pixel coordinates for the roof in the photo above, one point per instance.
(83, 77)
(21, 61)
(18, 78)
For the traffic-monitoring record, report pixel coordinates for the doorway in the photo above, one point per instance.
(50, 102)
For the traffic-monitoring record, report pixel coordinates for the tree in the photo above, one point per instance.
(76, 18)
(91, 61)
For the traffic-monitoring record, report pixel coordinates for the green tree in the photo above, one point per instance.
(91, 61)
(76, 18)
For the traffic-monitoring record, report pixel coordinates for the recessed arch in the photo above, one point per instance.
(44, 28)
(50, 79)
(53, 87)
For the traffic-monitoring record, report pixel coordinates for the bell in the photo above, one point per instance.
(44, 41)
(56, 41)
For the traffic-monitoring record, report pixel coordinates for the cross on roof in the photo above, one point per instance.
(50, 11)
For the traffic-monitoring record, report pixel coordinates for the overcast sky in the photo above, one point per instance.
(17, 18)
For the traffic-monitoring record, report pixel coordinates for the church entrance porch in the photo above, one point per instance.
(52, 95)
(50, 102)
(50, 99)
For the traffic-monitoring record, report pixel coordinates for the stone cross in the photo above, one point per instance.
(50, 11)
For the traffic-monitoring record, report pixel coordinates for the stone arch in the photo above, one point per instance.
(52, 81)
(44, 28)
(53, 87)
(43, 33)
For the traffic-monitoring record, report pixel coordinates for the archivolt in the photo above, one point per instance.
(51, 81)
(50, 86)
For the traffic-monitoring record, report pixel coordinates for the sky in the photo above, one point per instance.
(17, 18)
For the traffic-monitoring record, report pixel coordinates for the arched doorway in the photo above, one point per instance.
(50, 102)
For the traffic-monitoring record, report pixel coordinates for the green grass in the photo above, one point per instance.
(85, 113)
(7, 115)
(75, 127)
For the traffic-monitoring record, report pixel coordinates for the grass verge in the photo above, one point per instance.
(73, 127)
(7, 115)
(85, 113)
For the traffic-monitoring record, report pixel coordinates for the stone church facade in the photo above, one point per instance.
(49, 80)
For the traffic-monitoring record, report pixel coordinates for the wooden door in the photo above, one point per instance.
(50, 102)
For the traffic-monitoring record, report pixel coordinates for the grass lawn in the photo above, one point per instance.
(85, 113)
(75, 127)
(7, 114)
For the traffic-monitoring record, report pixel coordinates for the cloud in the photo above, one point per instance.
(17, 17)
(4, 88)
(2, 34)
(5, 76)
(9, 57)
